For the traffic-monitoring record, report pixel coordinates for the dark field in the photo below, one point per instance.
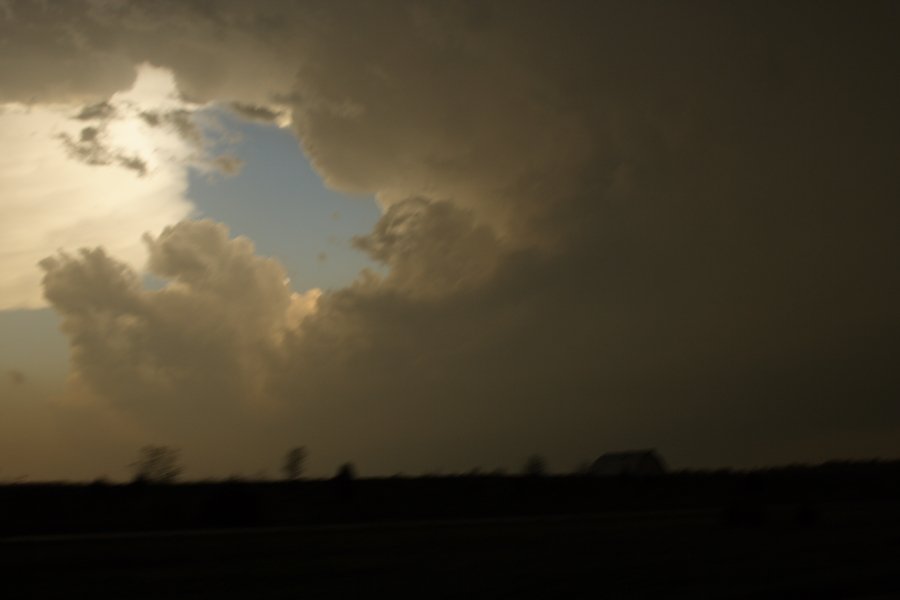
(831, 531)
(851, 552)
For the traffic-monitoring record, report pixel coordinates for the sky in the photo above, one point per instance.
(436, 236)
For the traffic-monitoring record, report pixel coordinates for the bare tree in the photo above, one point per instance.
(157, 464)
(294, 462)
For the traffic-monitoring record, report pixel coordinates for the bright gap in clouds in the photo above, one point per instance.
(101, 175)
(104, 174)
(281, 203)
(80, 176)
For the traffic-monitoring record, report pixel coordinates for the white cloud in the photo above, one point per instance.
(191, 362)
(131, 178)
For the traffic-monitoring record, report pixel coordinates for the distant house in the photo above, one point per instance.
(635, 462)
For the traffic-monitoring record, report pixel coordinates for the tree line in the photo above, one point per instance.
(162, 464)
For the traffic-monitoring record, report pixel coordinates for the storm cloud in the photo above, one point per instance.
(605, 225)
(189, 361)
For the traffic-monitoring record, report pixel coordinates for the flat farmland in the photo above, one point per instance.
(851, 551)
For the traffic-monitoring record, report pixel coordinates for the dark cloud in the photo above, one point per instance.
(101, 111)
(93, 146)
(132, 163)
(91, 149)
(251, 112)
(431, 248)
(180, 121)
(227, 164)
(607, 225)
(16, 377)
(87, 148)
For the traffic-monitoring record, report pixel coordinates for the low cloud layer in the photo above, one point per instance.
(606, 225)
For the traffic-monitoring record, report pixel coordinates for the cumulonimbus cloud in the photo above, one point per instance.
(191, 360)
(605, 224)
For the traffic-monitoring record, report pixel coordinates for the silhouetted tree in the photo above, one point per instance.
(346, 472)
(294, 461)
(535, 466)
(157, 464)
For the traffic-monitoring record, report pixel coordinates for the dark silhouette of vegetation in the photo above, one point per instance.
(535, 466)
(583, 468)
(632, 463)
(621, 537)
(157, 464)
(797, 497)
(839, 520)
(294, 463)
(346, 472)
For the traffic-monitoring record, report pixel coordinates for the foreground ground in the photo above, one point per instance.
(848, 551)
